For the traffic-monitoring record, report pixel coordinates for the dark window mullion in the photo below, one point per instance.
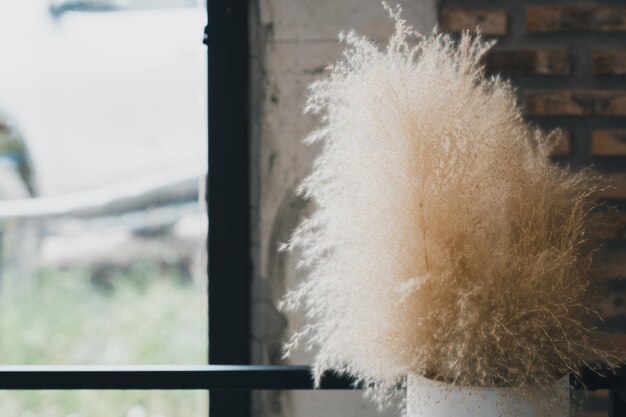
(228, 205)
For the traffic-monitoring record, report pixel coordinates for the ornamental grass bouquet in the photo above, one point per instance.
(444, 243)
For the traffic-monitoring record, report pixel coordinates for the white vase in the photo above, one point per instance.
(428, 398)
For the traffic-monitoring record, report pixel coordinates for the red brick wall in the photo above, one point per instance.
(568, 60)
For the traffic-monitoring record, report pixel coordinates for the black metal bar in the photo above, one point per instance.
(229, 267)
(228, 184)
(615, 382)
(208, 377)
(617, 402)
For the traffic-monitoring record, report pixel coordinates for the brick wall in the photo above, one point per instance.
(568, 61)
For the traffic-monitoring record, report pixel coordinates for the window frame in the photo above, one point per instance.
(229, 376)
(228, 196)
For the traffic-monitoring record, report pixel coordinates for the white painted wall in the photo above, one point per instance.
(293, 40)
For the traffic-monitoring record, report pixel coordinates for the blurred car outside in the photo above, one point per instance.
(99, 92)
(102, 117)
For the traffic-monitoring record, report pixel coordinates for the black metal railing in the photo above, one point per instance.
(207, 377)
(231, 377)
(211, 377)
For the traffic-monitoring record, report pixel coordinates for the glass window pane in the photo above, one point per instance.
(102, 163)
(90, 403)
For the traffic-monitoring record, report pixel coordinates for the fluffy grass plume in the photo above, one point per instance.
(443, 241)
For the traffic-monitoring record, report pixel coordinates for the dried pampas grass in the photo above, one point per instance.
(444, 242)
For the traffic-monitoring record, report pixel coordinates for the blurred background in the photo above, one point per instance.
(103, 143)
(102, 163)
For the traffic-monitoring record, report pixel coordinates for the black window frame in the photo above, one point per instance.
(228, 196)
(229, 375)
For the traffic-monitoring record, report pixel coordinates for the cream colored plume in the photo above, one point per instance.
(443, 242)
